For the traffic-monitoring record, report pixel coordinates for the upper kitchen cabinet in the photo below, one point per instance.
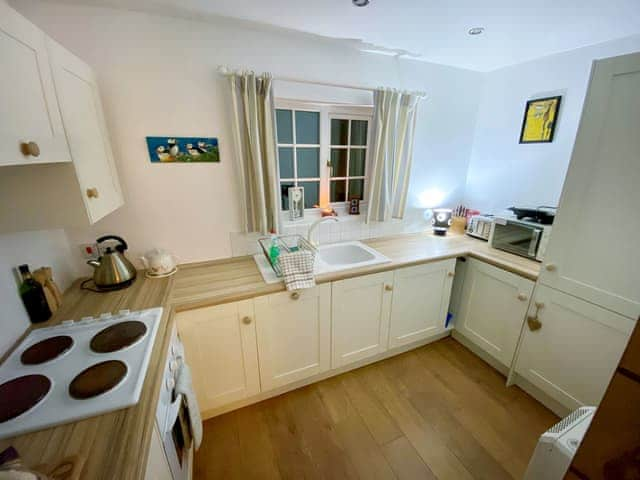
(84, 123)
(57, 165)
(31, 129)
(593, 253)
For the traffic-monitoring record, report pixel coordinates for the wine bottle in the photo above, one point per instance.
(33, 297)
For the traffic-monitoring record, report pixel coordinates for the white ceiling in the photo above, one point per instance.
(436, 30)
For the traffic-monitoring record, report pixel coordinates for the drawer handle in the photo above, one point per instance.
(30, 149)
(295, 295)
(246, 320)
(522, 297)
(388, 288)
(450, 274)
(551, 267)
(92, 193)
(534, 323)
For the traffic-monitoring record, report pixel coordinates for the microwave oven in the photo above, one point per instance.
(527, 239)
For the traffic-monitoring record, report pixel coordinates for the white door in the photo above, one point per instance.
(220, 348)
(28, 107)
(420, 303)
(574, 353)
(593, 251)
(360, 309)
(293, 335)
(86, 131)
(493, 308)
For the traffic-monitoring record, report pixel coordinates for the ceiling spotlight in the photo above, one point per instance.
(476, 30)
(360, 3)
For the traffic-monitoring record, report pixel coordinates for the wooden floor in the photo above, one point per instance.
(435, 412)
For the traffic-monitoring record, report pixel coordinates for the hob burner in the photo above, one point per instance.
(46, 350)
(22, 394)
(118, 336)
(97, 379)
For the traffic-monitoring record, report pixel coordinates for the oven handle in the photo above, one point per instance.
(535, 239)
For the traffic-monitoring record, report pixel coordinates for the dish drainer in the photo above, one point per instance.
(286, 243)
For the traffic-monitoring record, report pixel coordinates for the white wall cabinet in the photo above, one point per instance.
(584, 259)
(493, 307)
(293, 335)
(420, 302)
(574, 353)
(360, 312)
(220, 348)
(87, 136)
(28, 107)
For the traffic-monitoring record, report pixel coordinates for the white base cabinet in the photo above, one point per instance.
(493, 307)
(573, 354)
(360, 317)
(293, 335)
(420, 303)
(220, 348)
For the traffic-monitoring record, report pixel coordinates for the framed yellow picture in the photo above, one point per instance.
(539, 123)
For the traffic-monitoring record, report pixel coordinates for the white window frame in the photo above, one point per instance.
(327, 112)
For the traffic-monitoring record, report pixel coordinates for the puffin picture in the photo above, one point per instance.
(194, 152)
(173, 147)
(162, 153)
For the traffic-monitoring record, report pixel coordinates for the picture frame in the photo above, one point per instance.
(540, 120)
(183, 149)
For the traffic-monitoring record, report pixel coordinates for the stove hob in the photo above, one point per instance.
(21, 394)
(97, 379)
(118, 336)
(46, 350)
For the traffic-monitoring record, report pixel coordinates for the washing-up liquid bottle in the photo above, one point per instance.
(274, 250)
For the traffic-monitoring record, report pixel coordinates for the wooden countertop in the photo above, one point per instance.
(115, 445)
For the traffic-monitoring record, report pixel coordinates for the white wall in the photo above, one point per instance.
(503, 173)
(158, 77)
(37, 249)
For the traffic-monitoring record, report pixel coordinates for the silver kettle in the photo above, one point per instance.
(112, 270)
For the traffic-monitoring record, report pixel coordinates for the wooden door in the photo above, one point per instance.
(293, 333)
(220, 348)
(593, 251)
(28, 106)
(574, 353)
(86, 130)
(360, 309)
(420, 302)
(493, 308)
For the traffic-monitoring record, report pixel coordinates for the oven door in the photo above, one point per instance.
(178, 441)
(514, 237)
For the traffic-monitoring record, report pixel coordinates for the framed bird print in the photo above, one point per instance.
(183, 150)
(540, 119)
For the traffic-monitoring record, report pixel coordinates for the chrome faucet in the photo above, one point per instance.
(315, 224)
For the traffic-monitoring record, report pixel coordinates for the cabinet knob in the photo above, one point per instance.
(522, 297)
(450, 274)
(551, 267)
(92, 193)
(533, 323)
(388, 288)
(246, 320)
(295, 295)
(30, 149)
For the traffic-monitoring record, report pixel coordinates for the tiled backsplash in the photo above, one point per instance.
(348, 227)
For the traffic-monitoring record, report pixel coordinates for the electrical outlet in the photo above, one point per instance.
(90, 251)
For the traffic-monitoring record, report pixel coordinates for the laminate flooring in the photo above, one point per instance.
(437, 412)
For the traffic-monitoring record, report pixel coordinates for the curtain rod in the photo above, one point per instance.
(224, 70)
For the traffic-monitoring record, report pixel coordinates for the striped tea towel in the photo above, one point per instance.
(297, 269)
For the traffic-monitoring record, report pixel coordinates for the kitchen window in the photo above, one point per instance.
(323, 148)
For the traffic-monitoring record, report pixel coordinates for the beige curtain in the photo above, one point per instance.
(255, 139)
(394, 120)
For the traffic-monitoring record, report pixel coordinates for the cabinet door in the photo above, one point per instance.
(420, 303)
(293, 335)
(493, 309)
(220, 348)
(576, 350)
(28, 108)
(593, 251)
(360, 317)
(86, 131)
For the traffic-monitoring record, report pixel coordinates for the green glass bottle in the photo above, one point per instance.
(33, 297)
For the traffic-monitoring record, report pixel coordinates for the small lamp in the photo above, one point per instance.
(441, 220)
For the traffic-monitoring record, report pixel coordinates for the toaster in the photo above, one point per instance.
(480, 226)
